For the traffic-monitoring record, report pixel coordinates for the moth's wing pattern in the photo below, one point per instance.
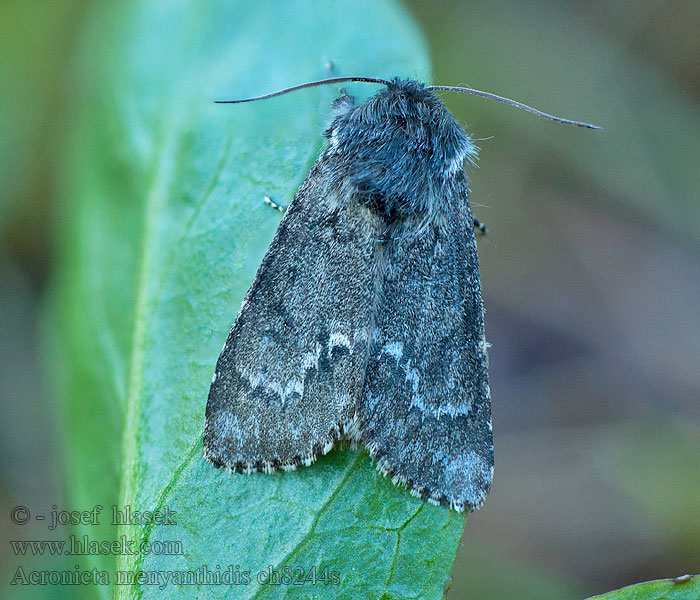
(425, 411)
(289, 377)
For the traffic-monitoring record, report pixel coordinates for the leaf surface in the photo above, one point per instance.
(681, 588)
(164, 226)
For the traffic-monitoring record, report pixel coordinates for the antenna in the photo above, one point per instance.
(490, 96)
(441, 88)
(307, 85)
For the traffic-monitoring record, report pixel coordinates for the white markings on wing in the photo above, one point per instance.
(395, 349)
(311, 358)
(468, 472)
(295, 385)
(338, 340)
(413, 376)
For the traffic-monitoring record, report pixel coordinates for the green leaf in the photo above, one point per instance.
(681, 588)
(162, 228)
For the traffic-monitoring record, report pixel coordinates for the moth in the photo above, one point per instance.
(365, 319)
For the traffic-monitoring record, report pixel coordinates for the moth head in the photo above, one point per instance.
(399, 147)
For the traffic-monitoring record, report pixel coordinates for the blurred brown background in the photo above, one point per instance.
(590, 272)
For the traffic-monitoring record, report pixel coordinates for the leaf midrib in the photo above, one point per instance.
(131, 435)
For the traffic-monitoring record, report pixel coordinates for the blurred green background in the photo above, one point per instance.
(590, 275)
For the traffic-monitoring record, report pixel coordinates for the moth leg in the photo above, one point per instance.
(478, 225)
(274, 204)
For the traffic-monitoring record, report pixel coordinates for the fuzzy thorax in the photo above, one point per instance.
(399, 149)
